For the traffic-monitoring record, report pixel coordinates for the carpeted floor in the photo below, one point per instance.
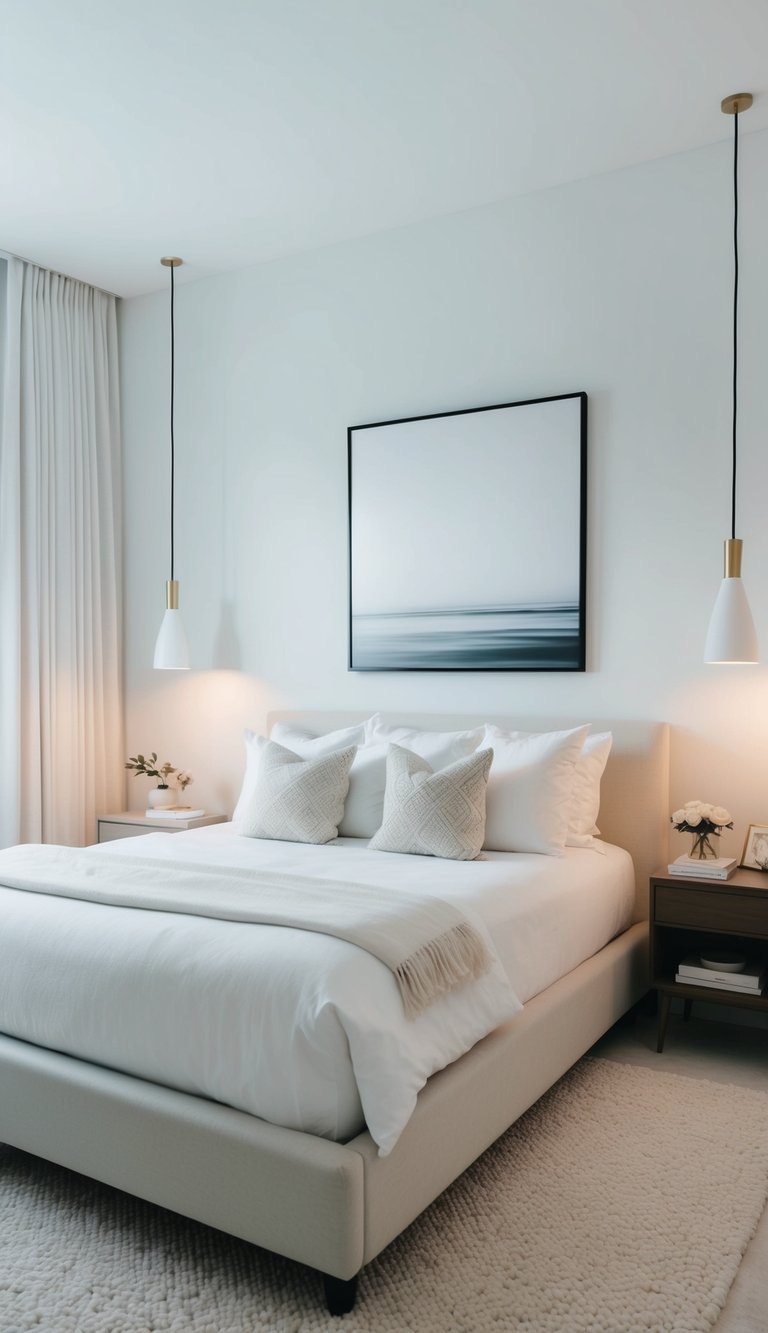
(621, 1203)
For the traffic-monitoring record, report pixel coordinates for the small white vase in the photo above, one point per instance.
(160, 797)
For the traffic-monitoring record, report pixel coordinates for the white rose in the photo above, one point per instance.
(691, 805)
(692, 817)
(706, 810)
(720, 816)
(678, 817)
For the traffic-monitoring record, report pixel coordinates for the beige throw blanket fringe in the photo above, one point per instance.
(428, 944)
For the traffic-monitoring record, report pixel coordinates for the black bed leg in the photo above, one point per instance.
(340, 1295)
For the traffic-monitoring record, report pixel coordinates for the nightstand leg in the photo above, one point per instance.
(665, 1002)
(687, 1005)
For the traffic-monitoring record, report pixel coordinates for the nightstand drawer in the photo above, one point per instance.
(108, 831)
(706, 909)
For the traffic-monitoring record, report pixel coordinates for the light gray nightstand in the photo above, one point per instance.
(132, 823)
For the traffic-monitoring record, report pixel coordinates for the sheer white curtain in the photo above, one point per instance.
(60, 706)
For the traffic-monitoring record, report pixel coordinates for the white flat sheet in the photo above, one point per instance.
(301, 1029)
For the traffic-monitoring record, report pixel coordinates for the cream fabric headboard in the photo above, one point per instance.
(634, 807)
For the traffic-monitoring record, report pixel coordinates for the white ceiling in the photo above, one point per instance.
(233, 131)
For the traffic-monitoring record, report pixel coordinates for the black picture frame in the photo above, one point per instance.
(468, 537)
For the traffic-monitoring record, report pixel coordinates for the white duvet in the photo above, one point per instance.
(301, 1029)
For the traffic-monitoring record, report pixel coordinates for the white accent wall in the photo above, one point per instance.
(618, 285)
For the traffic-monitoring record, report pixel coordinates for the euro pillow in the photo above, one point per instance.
(293, 799)
(439, 748)
(311, 746)
(428, 813)
(530, 791)
(585, 803)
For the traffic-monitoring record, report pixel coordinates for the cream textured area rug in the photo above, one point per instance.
(622, 1202)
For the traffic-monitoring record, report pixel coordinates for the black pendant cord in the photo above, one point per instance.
(735, 303)
(173, 449)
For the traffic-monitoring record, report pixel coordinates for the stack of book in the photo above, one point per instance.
(751, 981)
(174, 812)
(721, 867)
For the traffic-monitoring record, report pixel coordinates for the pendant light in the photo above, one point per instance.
(731, 636)
(171, 648)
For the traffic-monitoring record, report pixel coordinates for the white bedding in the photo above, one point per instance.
(301, 1029)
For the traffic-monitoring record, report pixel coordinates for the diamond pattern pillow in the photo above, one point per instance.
(294, 799)
(434, 814)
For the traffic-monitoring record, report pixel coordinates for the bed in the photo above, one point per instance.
(329, 1204)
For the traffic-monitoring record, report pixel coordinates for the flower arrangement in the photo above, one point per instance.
(702, 820)
(150, 768)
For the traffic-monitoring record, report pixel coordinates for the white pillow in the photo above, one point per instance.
(585, 803)
(434, 814)
(530, 789)
(254, 744)
(294, 799)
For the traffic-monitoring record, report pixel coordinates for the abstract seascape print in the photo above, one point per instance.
(467, 540)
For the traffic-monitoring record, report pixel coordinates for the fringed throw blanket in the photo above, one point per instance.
(428, 945)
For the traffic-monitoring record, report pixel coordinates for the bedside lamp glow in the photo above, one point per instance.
(171, 647)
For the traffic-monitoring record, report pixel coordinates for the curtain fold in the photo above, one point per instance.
(60, 539)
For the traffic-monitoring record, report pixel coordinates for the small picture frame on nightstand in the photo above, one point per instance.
(755, 853)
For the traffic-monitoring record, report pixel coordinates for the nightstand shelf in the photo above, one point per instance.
(133, 823)
(690, 915)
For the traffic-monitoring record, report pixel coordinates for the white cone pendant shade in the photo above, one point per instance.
(171, 648)
(731, 636)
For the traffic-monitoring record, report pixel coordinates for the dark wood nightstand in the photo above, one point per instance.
(687, 915)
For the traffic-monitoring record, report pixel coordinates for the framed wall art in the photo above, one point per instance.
(755, 853)
(467, 539)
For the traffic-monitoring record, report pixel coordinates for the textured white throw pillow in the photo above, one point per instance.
(528, 806)
(585, 803)
(365, 798)
(294, 799)
(430, 813)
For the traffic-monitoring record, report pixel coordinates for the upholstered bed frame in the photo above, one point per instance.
(329, 1205)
